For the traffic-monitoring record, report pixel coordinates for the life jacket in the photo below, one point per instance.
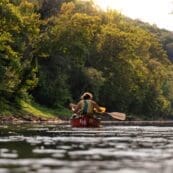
(87, 107)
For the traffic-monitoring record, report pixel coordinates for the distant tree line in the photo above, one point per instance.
(54, 50)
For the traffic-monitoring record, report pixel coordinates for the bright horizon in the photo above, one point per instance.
(152, 11)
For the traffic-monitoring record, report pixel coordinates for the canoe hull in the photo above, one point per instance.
(85, 121)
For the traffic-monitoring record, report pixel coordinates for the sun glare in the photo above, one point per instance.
(153, 11)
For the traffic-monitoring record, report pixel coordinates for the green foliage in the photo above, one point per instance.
(40, 111)
(164, 36)
(18, 34)
(52, 89)
(55, 50)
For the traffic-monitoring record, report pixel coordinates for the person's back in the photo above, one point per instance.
(86, 105)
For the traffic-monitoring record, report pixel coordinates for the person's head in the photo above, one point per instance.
(86, 96)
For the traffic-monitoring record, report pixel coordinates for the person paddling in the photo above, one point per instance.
(86, 106)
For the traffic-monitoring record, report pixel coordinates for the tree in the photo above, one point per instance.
(19, 31)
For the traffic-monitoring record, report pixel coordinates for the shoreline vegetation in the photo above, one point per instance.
(52, 51)
(30, 112)
(33, 112)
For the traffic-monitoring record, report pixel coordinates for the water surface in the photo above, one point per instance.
(42, 148)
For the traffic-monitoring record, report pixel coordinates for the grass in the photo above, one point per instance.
(31, 108)
(6, 109)
(41, 111)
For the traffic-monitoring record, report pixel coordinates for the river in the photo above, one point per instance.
(44, 148)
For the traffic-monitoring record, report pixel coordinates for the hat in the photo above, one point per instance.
(85, 94)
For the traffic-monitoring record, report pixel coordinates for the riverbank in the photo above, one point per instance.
(57, 121)
(32, 112)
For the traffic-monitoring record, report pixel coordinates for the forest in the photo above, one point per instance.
(51, 51)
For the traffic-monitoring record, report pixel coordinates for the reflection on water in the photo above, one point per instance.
(60, 148)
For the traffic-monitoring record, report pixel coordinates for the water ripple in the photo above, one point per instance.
(56, 148)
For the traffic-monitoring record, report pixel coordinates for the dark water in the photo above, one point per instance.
(62, 149)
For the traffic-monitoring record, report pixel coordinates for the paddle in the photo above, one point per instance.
(115, 115)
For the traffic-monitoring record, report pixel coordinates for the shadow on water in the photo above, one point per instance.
(59, 148)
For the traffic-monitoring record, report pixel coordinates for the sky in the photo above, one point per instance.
(152, 11)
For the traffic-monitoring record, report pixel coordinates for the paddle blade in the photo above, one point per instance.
(117, 115)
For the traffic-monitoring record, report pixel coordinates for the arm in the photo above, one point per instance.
(77, 108)
(72, 106)
(96, 107)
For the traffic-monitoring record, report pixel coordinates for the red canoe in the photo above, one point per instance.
(85, 121)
